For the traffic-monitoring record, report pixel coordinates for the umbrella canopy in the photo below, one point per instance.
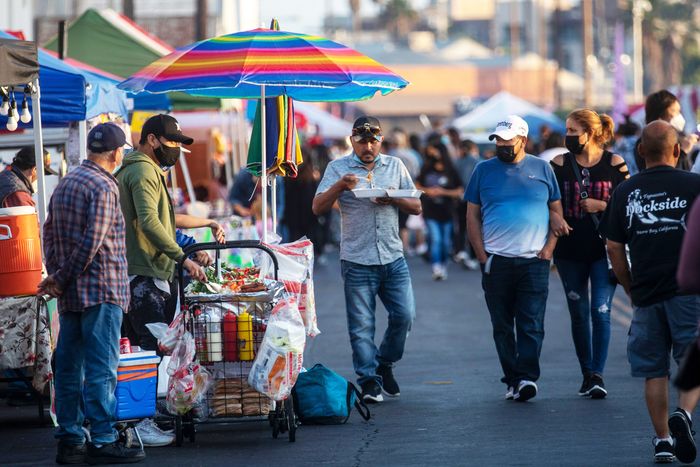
(300, 66)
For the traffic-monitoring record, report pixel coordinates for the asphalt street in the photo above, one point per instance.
(451, 410)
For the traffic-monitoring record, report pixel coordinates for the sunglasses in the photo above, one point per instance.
(364, 139)
(586, 174)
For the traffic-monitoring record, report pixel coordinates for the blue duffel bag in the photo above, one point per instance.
(323, 397)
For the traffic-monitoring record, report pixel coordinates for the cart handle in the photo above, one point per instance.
(222, 246)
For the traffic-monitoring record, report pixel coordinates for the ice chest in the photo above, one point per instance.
(137, 380)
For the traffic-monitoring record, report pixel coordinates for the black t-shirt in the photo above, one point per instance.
(584, 243)
(648, 213)
(440, 208)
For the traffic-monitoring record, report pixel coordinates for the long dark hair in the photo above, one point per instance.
(447, 165)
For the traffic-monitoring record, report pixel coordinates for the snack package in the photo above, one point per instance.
(189, 381)
(296, 261)
(280, 357)
(168, 335)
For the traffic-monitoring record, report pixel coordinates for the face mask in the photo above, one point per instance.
(678, 122)
(166, 155)
(573, 144)
(35, 186)
(357, 159)
(505, 153)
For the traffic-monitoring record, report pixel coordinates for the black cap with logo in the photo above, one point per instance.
(24, 160)
(164, 126)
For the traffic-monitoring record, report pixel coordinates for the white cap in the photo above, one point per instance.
(509, 128)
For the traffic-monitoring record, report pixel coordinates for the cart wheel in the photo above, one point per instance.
(291, 419)
(178, 431)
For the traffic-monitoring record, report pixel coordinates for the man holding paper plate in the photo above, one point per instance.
(370, 188)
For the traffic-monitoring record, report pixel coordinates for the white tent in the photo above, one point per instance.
(478, 124)
(329, 126)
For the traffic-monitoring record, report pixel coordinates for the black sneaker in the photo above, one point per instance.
(113, 453)
(389, 384)
(663, 452)
(372, 392)
(526, 391)
(682, 431)
(585, 386)
(70, 453)
(597, 389)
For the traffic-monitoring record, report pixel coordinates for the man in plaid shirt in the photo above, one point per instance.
(86, 259)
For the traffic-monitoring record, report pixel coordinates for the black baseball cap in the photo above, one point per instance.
(24, 159)
(165, 126)
(366, 125)
(106, 137)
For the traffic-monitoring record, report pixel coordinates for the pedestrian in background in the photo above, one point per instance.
(371, 255)
(587, 176)
(441, 189)
(648, 213)
(19, 181)
(84, 247)
(508, 218)
(468, 158)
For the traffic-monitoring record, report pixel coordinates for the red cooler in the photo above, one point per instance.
(20, 251)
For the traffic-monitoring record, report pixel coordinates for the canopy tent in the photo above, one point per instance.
(478, 124)
(19, 66)
(329, 126)
(113, 43)
(69, 94)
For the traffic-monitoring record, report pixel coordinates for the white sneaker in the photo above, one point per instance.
(151, 435)
(471, 264)
(443, 268)
(461, 257)
(421, 249)
(438, 274)
(526, 391)
(510, 393)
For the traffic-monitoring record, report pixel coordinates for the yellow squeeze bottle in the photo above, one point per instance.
(245, 336)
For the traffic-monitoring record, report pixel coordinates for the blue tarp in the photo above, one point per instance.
(69, 94)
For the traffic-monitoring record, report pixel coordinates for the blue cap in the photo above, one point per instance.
(106, 137)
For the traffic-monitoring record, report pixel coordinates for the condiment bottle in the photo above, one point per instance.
(245, 336)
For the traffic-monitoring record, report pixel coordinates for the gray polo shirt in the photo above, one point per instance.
(369, 232)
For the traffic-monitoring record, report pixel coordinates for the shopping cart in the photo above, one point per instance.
(228, 329)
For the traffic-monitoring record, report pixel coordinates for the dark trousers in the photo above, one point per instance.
(516, 295)
(460, 242)
(148, 304)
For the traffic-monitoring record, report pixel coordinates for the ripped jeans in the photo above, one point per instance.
(588, 313)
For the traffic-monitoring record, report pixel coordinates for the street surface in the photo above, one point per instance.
(451, 410)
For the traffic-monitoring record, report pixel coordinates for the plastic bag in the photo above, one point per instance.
(168, 335)
(189, 381)
(280, 357)
(296, 261)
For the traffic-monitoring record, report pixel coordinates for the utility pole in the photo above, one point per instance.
(128, 8)
(201, 20)
(514, 30)
(639, 8)
(558, 55)
(587, 22)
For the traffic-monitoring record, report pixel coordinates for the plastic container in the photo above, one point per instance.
(137, 380)
(20, 251)
(245, 336)
(230, 334)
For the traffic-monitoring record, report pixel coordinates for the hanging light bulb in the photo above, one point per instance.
(25, 116)
(13, 110)
(11, 123)
(5, 104)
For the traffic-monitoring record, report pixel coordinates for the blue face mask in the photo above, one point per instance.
(357, 159)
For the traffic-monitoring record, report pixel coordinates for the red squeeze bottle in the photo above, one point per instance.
(230, 334)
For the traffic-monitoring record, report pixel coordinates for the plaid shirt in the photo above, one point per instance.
(84, 242)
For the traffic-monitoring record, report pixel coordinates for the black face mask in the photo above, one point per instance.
(573, 144)
(505, 153)
(166, 155)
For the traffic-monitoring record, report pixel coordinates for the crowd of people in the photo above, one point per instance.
(602, 207)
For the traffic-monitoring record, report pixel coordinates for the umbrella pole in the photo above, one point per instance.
(39, 151)
(263, 160)
(274, 203)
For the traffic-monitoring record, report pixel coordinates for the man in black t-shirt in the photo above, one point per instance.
(648, 213)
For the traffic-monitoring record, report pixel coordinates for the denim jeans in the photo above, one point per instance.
(440, 240)
(392, 283)
(591, 350)
(87, 357)
(516, 295)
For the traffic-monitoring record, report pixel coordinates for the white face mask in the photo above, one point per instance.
(35, 186)
(678, 122)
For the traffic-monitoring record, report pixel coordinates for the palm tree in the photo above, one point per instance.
(398, 16)
(355, 10)
(667, 28)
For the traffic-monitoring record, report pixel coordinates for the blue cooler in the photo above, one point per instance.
(137, 379)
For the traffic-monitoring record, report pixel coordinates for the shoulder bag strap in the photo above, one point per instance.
(583, 191)
(359, 403)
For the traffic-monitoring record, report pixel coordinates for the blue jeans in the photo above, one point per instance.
(592, 351)
(440, 240)
(392, 283)
(87, 357)
(516, 295)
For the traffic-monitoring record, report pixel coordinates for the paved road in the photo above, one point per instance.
(451, 410)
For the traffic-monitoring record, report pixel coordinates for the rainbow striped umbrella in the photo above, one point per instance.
(303, 67)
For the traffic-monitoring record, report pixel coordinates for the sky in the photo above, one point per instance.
(306, 16)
